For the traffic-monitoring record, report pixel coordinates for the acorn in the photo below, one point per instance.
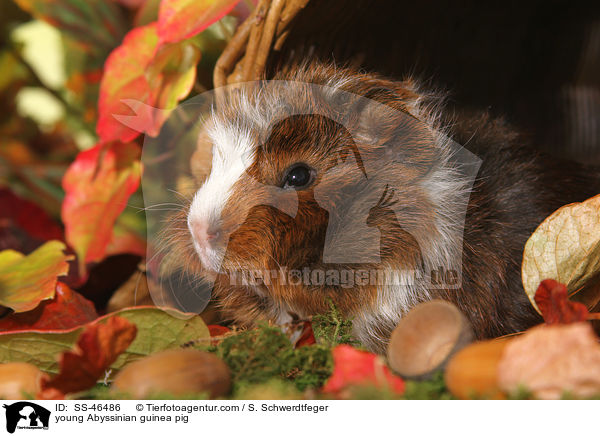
(175, 372)
(473, 372)
(19, 381)
(426, 338)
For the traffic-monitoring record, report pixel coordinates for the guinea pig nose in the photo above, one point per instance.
(205, 233)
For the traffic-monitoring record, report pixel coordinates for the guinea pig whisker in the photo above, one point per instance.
(180, 195)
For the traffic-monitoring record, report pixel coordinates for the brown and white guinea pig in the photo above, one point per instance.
(287, 169)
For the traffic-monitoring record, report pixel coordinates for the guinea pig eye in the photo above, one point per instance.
(298, 176)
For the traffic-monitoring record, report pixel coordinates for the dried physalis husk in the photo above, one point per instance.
(566, 248)
(19, 381)
(426, 337)
(553, 361)
(175, 372)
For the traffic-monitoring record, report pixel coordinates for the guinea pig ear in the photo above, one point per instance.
(382, 118)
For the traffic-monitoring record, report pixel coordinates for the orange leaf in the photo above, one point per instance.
(97, 186)
(353, 367)
(97, 348)
(182, 19)
(552, 300)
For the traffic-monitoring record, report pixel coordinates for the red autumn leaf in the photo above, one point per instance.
(97, 186)
(552, 299)
(143, 80)
(24, 226)
(307, 337)
(182, 19)
(217, 331)
(124, 78)
(354, 367)
(97, 348)
(66, 310)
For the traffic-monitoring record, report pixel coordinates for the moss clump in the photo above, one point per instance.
(433, 389)
(332, 328)
(254, 356)
(309, 366)
(274, 389)
(259, 355)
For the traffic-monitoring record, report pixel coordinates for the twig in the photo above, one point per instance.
(231, 54)
(258, 22)
(268, 34)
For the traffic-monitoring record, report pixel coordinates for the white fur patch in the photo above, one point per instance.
(233, 153)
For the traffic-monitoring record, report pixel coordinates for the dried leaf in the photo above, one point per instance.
(566, 248)
(27, 280)
(552, 300)
(182, 19)
(157, 331)
(97, 186)
(134, 292)
(66, 310)
(551, 361)
(354, 367)
(97, 348)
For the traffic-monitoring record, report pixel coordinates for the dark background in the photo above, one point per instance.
(536, 63)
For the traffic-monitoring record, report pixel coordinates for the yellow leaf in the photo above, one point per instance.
(27, 280)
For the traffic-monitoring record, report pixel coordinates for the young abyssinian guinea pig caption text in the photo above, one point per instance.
(332, 185)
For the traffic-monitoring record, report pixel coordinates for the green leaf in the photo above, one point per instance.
(27, 280)
(157, 330)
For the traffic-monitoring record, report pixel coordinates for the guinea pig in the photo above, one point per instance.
(347, 192)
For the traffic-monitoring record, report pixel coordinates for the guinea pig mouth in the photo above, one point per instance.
(210, 258)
